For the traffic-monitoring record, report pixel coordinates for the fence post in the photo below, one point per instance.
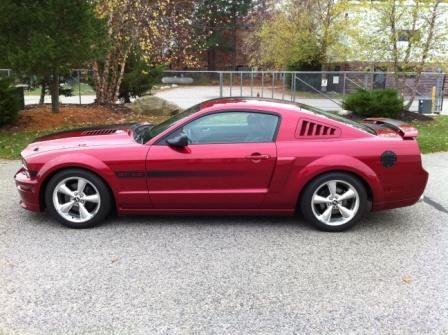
(442, 88)
(439, 86)
(220, 84)
(241, 84)
(273, 83)
(262, 83)
(231, 83)
(252, 83)
(343, 84)
(294, 85)
(283, 86)
(79, 85)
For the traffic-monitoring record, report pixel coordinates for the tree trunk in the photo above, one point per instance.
(42, 92)
(54, 90)
(425, 53)
(234, 45)
(97, 81)
(120, 76)
(234, 28)
(211, 59)
(413, 91)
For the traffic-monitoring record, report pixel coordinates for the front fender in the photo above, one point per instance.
(76, 160)
(343, 163)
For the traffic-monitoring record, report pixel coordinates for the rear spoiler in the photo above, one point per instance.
(405, 130)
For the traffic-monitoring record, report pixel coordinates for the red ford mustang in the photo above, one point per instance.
(227, 156)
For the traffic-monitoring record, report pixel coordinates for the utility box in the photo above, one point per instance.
(425, 106)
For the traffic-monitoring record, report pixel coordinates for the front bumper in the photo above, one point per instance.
(28, 191)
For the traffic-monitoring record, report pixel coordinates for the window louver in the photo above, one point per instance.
(98, 132)
(313, 129)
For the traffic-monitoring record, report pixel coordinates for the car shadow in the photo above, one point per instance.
(389, 220)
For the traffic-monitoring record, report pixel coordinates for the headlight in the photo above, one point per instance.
(25, 167)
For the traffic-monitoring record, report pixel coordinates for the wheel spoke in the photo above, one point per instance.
(332, 187)
(347, 195)
(326, 215)
(83, 212)
(92, 198)
(81, 185)
(345, 212)
(65, 208)
(320, 200)
(65, 190)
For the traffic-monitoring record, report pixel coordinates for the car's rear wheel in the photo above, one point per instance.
(77, 198)
(334, 201)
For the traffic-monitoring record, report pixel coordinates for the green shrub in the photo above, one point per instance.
(376, 103)
(139, 77)
(9, 103)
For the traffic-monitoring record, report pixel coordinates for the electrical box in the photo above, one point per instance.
(425, 106)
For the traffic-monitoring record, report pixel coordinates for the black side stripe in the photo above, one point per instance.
(130, 174)
(174, 174)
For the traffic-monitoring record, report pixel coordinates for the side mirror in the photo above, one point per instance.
(179, 141)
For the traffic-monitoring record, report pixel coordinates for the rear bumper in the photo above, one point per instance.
(28, 191)
(410, 197)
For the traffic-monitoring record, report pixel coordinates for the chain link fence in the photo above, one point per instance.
(324, 89)
(75, 87)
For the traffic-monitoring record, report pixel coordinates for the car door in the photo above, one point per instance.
(228, 163)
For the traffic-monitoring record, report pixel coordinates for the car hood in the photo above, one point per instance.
(81, 138)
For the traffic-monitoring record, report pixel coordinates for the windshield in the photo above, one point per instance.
(337, 117)
(147, 132)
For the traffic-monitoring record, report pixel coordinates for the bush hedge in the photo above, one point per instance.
(376, 103)
(9, 103)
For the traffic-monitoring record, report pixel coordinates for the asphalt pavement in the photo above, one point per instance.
(226, 275)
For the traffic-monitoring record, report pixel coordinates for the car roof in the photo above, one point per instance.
(253, 103)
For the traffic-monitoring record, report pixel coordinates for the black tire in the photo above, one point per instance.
(306, 204)
(104, 205)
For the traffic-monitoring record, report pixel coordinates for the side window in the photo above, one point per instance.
(231, 127)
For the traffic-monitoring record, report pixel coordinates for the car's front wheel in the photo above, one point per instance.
(77, 198)
(334, 201)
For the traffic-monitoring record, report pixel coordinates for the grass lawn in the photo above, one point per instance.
(12, 143)
(433, 135)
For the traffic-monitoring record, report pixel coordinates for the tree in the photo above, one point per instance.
(303, 33)
(46, 38)
(160, 31)
(405, 35)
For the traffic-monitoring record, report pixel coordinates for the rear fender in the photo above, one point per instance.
(339, 163)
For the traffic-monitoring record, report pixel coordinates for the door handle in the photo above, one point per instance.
(258, 157)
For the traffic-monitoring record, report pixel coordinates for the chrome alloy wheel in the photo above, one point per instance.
(335, 202)
(76, 199)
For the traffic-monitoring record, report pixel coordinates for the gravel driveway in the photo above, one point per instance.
(204, 275)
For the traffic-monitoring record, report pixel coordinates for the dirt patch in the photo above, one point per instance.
(411, 116)
(40, 117)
